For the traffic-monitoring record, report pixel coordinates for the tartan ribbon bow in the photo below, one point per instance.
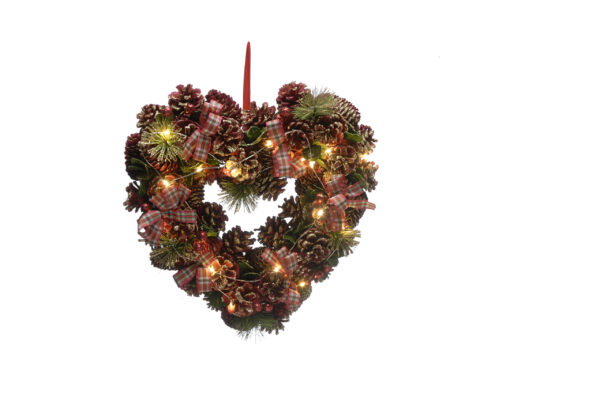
(199, 144)
(283, 165)
(282, 257)
(199, 270)
(150, 224)
(291, 296)
(341, 197)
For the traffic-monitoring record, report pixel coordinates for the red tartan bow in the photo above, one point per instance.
(199, 270)
(340, 198)
(282, 258)
(168, 203)
(291, 296)
(199, 144)
(283, 165)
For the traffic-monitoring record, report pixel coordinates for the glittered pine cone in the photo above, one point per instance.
(228, 137)
(330, 129)
(368, 141)
(303, 273)
(291, 208)
(132, 150)
(290, 94)
(267, 186)
(272, 232)
(244, 297)
(255, 259)
(271, 285)
(212, 215)
(352, 215)
(307, 182)
(185, 100)
(348, 111)
(236, 241)
(230, 107)
(314, 246)
(187, 126)
(343, 159)
(368, 170)
(164, 167)
(299, 134)
(248, 164)
(148, 114)
(134, 201)
(196, 196)
(224, 279)
(257, 116)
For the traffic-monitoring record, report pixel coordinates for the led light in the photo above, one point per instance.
(236, 172)
(328, 150)
(198, 169)
(302, 284)
(165, 182)
(364, 157)
(211, 269)
(165, 133)
(302, 159)
(231, 307)
(311, 164)
(318, 213)
(229, 164)
(269, 143)
(277, 268)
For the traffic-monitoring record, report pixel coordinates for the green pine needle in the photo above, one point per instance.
(163, 139)
(170, 252)
(314, 104)
(239, 195)
(344, 241)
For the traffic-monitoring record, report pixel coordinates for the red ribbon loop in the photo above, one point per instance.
(199, 270)
(283, 166)
(199, 144)
(150, 224)
(341, 197)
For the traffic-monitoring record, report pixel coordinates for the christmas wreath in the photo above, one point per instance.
(314, 137)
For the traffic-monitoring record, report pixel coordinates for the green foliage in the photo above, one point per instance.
(344, 241)
(353, 137)
(256, 323)
(254, 135)
(170, 252)
(214, 300)
(313, 153)
(314, 104)
(140, 169)
(238, 195)
(163, 139)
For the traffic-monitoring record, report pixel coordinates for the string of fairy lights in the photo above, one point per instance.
(232, 169)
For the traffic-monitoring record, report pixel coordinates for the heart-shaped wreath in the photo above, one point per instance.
(312, 136)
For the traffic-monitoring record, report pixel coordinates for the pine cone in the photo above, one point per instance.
(353, 216)
(212, 215)
(291, 208)
(247, 163)
(368, 170)
(330, 129)
(299, 135)
(348, 111)
(225, 278)
(187, 126)
(290, 94)
(271, 234)
(343, 159)
(257, 116)
(244, 297)
(236, 241)
(271, 285)
(230, 108)
(269, 187)
(132, 150)
(147, 115)
(307, 182)
(186, 100)
(196, 196)
(134, 200)
(303, 273)
(314, 246)
(255, 259)
(228, 137)
(368, 143)
(161, 167)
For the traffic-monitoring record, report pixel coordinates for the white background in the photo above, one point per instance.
(477, 276)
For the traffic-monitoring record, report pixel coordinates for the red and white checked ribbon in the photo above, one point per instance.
(199, 270)
(282, 257)
(150, 224)
(341, 197)
(199, 144)
(283, 165)
(291, 296)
